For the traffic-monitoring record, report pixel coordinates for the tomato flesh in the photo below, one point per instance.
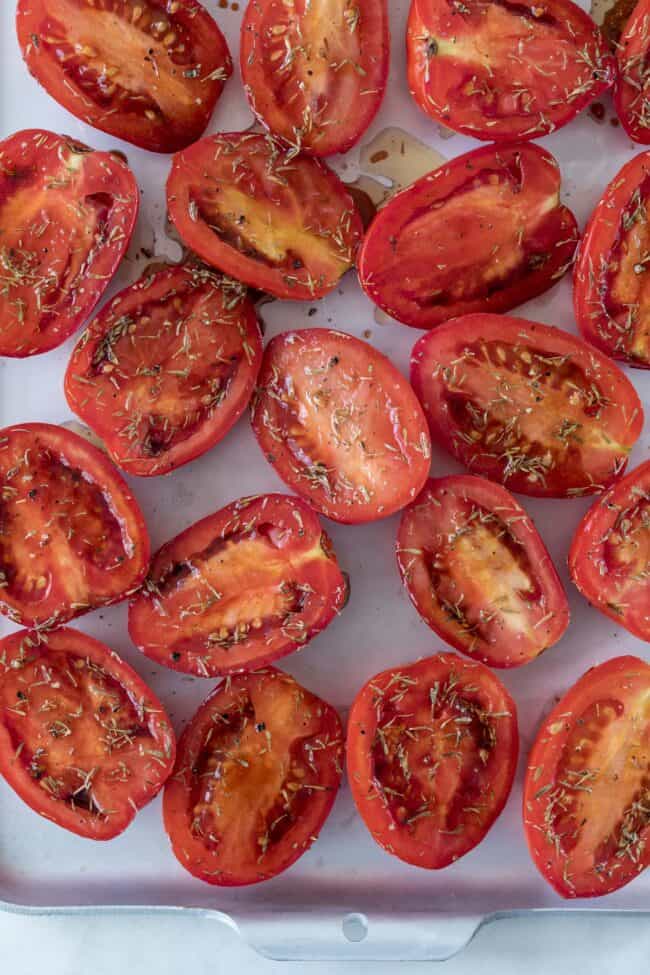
(632, 88)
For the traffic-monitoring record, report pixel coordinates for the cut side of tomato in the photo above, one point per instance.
(587, 788)
(72, 536)
(526, 404)
(258, 769)
(305, 65)
(239, 589)
(632, 88)
(340, 425)
(147, 71)
(250, 207)
(431, 755)
(484, 233)
(83, 740)
(478, 572)
(498, 70)
(67, 213)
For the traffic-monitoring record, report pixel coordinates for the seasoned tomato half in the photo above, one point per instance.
(484, 233)
(526, 404)
(609, 559)
(431, 755)
(72, 536)
(315, 70)
(239, 589)
(148, 71)
(67, 214)
(279, 222)
(587, 788)
(478, 572)
(341, 426)
(498, 70)
(166, 368)
(258, 769)
(83, 740)
(612, 273)
(632, 88)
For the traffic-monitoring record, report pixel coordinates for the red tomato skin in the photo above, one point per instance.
(630, 88)
(77, 820)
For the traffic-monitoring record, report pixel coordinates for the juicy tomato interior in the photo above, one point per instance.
(258, 769)
(632, 89)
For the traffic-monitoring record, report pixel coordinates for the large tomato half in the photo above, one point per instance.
(632, 88)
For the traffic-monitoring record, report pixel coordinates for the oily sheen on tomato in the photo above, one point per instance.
(498, 71)
(612, 272)
(632, 88)
(166, 368)
(72, 536)
(315, 73)
(478, 572)
(147, 71)
(67, 213)
(258, 769)
(83, 740)
(586, 794)
(526, 404)
(431, 755)
(340, 425)
(485, 232)
(239, 589)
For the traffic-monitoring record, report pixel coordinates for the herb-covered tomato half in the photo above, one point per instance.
(239, 588)
(340, 425)
(485, 232)
(526, 404)
(478, 572)
(279, 222)
(586, 794)
(258, 769)
(609, 559)
(612, 273)
(147, 71)
(166, 368)
(83, 740)
(72, 536)
(498, 71)
(315, 73)
(632, 88)
(431, 755)
(67, 214)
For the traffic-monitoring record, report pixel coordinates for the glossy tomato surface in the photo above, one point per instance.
(67, 213)
(586, 792)
(478, 572)
(166, 368)
(632, 89)
(340, 425)
(431, 755)
(72, 536)
(147, 71)
(83, 740)
(258, 769)
(526, 404)
(276, 221)
(485, 232)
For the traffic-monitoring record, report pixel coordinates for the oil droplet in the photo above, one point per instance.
(612, 15)
(86, 433)
(597, 111)
(394, 159)
(383, 319)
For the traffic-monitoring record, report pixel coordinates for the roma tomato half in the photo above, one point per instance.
(632, 88)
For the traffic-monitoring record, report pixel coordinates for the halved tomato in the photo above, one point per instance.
(83, 740)
(632, 88)
(431, 755)
(148, 71)
(315, 72)
(484, 233)
(258, 769)
(67, 213)
(166, 368)
(239, 588)
(609, 559)
(279, 222)
(340, 425)
(478, 572)
(72, 536)
(498, 70)
(587, 788)
(612, 273)
(526, 404)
